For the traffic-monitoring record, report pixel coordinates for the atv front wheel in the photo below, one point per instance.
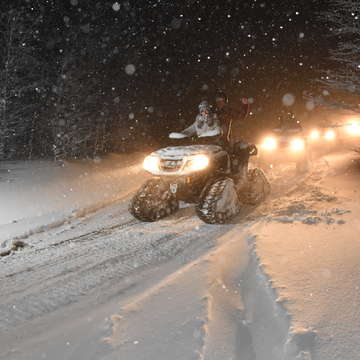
(153, 201)
(218, 202)
(257, 188)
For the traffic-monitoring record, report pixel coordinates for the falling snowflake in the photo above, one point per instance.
(131, 116)
(288, 99)
(176, 23)
(116, 6)
(74, 2)
(310, 105)
(85, 28)
(130, 69)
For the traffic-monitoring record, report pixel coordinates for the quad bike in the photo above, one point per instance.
(218, 181)
(281, 147)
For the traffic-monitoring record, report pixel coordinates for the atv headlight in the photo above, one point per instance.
(353, 128)
(151, 163)
(314, 135)
(197, 163)
(330, 135)
(269, 144)
(297, 144)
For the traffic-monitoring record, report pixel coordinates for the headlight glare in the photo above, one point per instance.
(315, 134)
(353, 128)
(197, 163)
(330, 135)
(297, 145)
(151, 163)
(269, 143)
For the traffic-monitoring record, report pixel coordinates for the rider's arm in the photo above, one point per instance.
(190, 131)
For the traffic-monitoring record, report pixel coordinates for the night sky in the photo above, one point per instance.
(184, 50)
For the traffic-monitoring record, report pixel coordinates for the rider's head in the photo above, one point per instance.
(204, 108)
(221, 99)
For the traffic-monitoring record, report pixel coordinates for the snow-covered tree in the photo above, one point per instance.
(343, 19)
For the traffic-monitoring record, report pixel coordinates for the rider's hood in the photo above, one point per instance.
(178, 152)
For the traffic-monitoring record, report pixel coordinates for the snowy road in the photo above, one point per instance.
(106, 286)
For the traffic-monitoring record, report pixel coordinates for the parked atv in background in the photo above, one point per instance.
(217, 181)
(284, 147)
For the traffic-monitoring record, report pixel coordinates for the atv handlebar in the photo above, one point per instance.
(176, 135)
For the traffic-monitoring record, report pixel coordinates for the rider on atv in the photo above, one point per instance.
(202, 169)
(216, 127)
(206, 124)
(229, 117)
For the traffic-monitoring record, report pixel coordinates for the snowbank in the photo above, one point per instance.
(302, 285)
(37, 195)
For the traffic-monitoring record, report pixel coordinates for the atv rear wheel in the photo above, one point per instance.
(257, 188)
(218, 202)
(153, 201)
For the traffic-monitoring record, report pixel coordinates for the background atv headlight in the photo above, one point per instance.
(197, 162)
(315, 134)
(151, 163)
(330, 135)
(297, 145)
(269, 144)
(353, 128)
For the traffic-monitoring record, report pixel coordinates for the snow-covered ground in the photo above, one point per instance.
(36, 195)
(278, 283)
(307, 252)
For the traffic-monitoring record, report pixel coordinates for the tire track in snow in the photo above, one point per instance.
(60, 274)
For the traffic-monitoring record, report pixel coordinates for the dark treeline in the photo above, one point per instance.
(57, 97)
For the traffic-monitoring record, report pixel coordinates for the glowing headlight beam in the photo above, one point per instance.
(151, 163)
(297, 145)
(330, 135)
(197, 163)
(269, 144)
